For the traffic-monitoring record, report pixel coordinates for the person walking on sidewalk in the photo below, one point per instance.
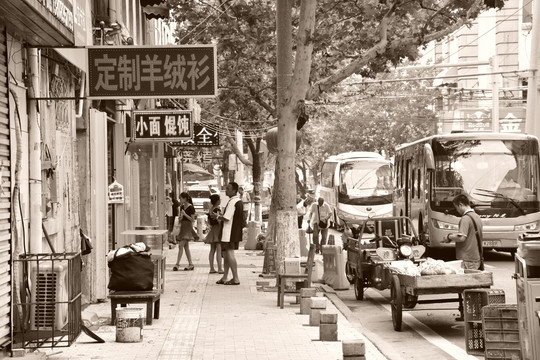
(318, 215)
(187, 217)
(213, 236)
(231, 235)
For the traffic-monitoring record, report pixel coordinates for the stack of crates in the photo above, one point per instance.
(473, 302)
(501, 332)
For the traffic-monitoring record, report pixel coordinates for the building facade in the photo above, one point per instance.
(60, 151)
(485, 86)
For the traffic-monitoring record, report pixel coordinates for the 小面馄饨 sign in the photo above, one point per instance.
(202, 136)
(138, 72)
(166, 125)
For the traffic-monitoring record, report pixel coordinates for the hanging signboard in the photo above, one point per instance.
(166, 125)
(202, 136)
(137, 72)
(116, 193)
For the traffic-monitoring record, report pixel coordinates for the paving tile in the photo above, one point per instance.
(205, 321)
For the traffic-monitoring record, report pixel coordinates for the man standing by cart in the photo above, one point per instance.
(469, 237)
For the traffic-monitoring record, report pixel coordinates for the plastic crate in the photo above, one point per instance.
(475, 299)
(500, 317)
(474, 338)
(506, 354)
(501, 332)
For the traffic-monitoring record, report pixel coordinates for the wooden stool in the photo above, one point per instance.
(136, 297)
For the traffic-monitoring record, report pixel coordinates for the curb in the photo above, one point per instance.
(356, 322)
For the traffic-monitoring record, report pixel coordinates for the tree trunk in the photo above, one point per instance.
(288, 109)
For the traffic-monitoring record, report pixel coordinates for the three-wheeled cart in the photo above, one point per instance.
(404, 286)
(374, 247)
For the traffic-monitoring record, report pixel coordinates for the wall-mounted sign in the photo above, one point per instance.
(137, 72)
(477, 119)
(203, 136)
(116, 193)
(62, 11)
(165, 125)
(512, 120)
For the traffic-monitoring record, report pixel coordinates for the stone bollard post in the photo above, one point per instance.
(318, 304)
(354, 349)
(328, 328)
(305, 299)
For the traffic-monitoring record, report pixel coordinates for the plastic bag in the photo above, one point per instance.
(176, 226)
(133, 271)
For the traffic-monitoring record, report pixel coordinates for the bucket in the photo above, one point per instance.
(154, 242)
(129, 325)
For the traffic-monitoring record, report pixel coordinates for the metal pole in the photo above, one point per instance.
(34, 156)
(532, 85)
(495, 94)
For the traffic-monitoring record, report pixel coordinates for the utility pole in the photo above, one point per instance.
(533, 108)
(495, 93)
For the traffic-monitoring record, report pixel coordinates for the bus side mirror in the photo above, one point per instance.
(429, 158)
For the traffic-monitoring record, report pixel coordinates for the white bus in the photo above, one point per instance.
(356, 185)
(499, 173)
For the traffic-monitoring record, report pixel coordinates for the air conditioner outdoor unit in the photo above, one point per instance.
(49, 308)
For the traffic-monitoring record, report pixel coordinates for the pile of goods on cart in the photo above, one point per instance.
(428, 267)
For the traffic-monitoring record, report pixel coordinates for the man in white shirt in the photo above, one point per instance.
(319, 215)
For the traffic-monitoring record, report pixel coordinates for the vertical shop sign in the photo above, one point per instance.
(137, 72)
(167, 125)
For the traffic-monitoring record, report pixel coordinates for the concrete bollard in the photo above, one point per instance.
(328, 328)
(305, 299)
(318, 304)
(353, 349)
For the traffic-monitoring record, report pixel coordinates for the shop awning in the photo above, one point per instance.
(155, 9)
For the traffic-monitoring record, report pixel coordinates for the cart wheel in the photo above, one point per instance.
(359, 286)
(410, 301)
(396, 303)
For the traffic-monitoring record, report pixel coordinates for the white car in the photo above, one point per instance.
(201, 198)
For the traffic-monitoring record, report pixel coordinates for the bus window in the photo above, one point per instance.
(327, 174)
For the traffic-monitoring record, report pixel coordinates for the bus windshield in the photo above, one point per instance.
(365, 183)
(499, 176)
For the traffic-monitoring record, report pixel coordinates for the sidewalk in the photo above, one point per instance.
(202, 320)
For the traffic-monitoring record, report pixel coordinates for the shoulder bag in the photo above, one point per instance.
(479, 243)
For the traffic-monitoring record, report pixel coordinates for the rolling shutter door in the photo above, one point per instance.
(5, 197)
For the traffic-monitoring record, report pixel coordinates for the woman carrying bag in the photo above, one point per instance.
(186, 215)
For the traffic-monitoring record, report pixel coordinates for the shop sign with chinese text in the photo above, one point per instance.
(203, 136)
(137, 72)
(166, 125)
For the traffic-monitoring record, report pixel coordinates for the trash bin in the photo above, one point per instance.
(129, 324)
(529, 250)
(154, 242)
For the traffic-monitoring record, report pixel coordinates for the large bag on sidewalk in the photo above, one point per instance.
(133, 271)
